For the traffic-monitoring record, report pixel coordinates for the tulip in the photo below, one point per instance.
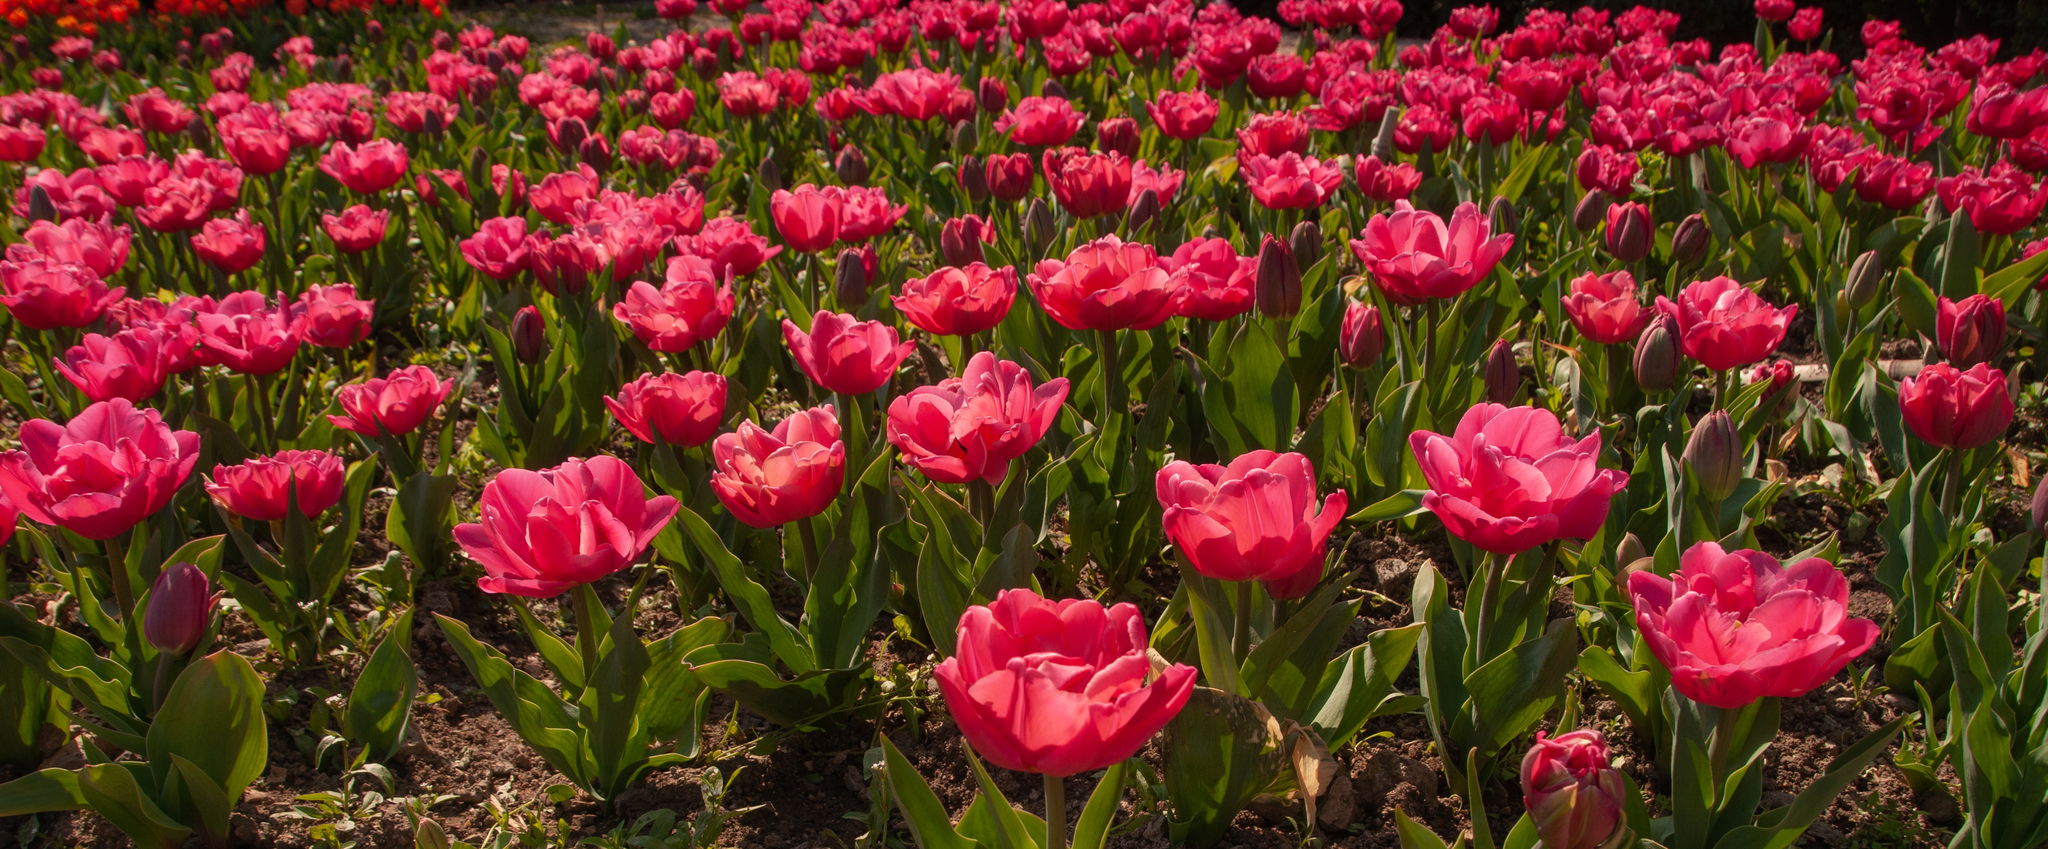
(1503, 378)
(958, 301)
(130, 365)
(1272, 134)
(332, 316)
(807, 218)
(357, 229)
(1715, 456)
(45, 295)
(1008, 177)
(1656, 364)
(681, 409)
(1734, 627)
(865, 213)
(498, 249)
(542, 533)
(1183, 114)
(1414, 256)
(1574, 796)
(1805, 24)
(1253, 520)
(2038, 511)
(851, 166)
(2002, 112)
(180, 605)
(1107, 284)
(102, 473)
(691, 307)
(1306, 241)
(918, 94)
(1773, 134)
(1602, 167)
(992, 94)
(1954, 408)
(960, 239)
(1628, 235)
(1586, 215)
(1088, 185)
(1057, 688)
(2002, 201)
(1604, 307)
(1386, 183)
(1276, 285)
(556, 195)
(97, 245)
(260, 488)
(850, 279)
(1508, 479)
(1040, 121)
(1116, 134)
(1725, 326)
(368, 169)
(1290, 181)
(1361, 340)
(730, 245)
(970, 427)
(1970, 332)
(529, 335)
(564, 265)
(1039, 227)
(249, 336)
(1690, 240)
(230, 244)
(1779, 398)
(1217, 283)
(1866, 277)
(396, 404)
(772, 478)
(1894, 183)
(844, 355)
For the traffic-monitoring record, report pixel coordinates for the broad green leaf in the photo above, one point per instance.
(213, 717)
(1091, 831)
(609, 706)
(1221, 750)
(40, 791)
(1400, 505)
(1355, 688)
(380, 703)
(750, 597)
(542, 719)
(922, 812)
(113, 792)
(785, 701)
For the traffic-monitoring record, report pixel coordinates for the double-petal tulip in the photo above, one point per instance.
(1734, 627)
(1057, 688)
(1216, 282)
(44, 295)
(1574, 796)
(1088, 185)
(498, 249)
(332, 316)
(396, 404)
(2003, 200)
(260, 488)
(1040, 121)
(807, 218)
(230, 244)
(1955, 408)
(1290, 181)
(1969, 332)
(98, 245)
(1107, 284)
(247, 335)
(958, 301)
(1895, 183)
(1253, 520)
(1508, 479)
(1414, 255)
(542, 533)
(864, 213)
(1386, 183)
(769, 478)
(1604, 307)
(102, 473)
(368, 169)
(681, 409)
(1183, 114)
(972, 426)
(1725, 326)
(689, 308)
(130, 365)
(846, 355)
(357, 229)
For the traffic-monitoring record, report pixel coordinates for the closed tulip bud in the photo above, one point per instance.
(197, 132)
(1714, 455)
(1503, 377)
(1038, 224)
(1573, 794)
(1307, 243)
(850, 280)
(1276, 288)
(568, 134)
(1052, 88)
(411, 52)
(479, 162)
(431, 123)
(39, 206)
(2040, 508)
(595, 152)
(1587, 214)
(344, 67)
(965, 137)
(1628, 231)
(1630, 550)
(1361, 340)
(1383, 143)
(1971, 331)
(1501, 215)
(1118, 134)
(180, 602)
(993, 94)
(1656, 364)
(1866, 278)
(768, 175)
(974, 179)
(1689, 242)
(1144, 211)
(852, 166)
(374, 30)
(529, 335)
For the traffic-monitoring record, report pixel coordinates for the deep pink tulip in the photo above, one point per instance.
(2003, 112)
(98, 245)
(1768, 136)
(21, 143)
(1386, 183)
(357, 229)
(397, 403)
(682, 409)
(958, 301)
(1414, 255)
(2003, 200)
(807, 218)
(691, 307)
(368, 169)
(247, 335)
(45, 295)
(769, 478)
(1361, 339)
(1725, 326)
(960, 239)
(1253, 520)
(565, 264)
(918, 94)
(498, 249)
(1272, 134)
(1107, 284)
(1216, 282)
(1088, 185)
(1183, 114)
(1954, 408)
(256, 150)
(130, 365)
(1508, 479)
(332, 316)
(1969, 332)
(98, 476)
(1734, 627)
(539, 534)
(1895, 183)
(259, 489)
(1290, 181)
(972, 426)
(864, 213)
(1040, 121)
(730, 244)
(1009, 176)
(1602, 167)
(1057, 688)
(845, 355)
(556, 196)
(230, 244)
(179, 609)
(1604, 307)
(1574, 795)
(1805, 24)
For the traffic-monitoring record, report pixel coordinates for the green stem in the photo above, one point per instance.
(1055, 812)
(1114, 391)
(1952, 487)
(810, 543)
(1720, 742)
(1489, 598)
(586, 629)
(1241, 638)
(162, 686)
(117, 568)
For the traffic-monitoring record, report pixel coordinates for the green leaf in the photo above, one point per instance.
(609, 707)
(561, 657)
(929, 825)
(785, 701)
(197, 800)
(1011, 831)
(213, 717)
(2012, 282)
(1780, 827)
(1262, 398)
(542, 719)
(1413, 834)
(1510, 693)
(113, 792)
(1400, 505)
(380, 703)
(40, 791)
(1091, 831)
(751, 598)
(1355, 689)
(421, 517)
(1221, 750)
(672, 702)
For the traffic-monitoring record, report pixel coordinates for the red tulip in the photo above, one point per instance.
(230, 244)
(1058, 688)
(21, 144)
(1574, 796)
(1163, 182)
(2003, 112)
(1088, 185)
(1896, 183)
(45, 295)
(1414, 256)
(1956, 409)
(1277, 75)
(1107, 284)
(555, 197)
(844, 355)
(972, 426)
(865, 213)
(1272, 134)
(1253, 520)
(130, 365)
(1117, 134)
(75, 196)
(1217, 283)
(247, 335)
(357, 229)
(1497, 121)
(1040, 121)
(1604, 307)
(1805, 24)
(258, 489)
(498, 249)
(369, 169)
(97, 245)
(180, 607)
(1508, 479)
(2002, 201)
(332, 316)
(1779, 398)
(1183, 114)
(1773, 11)
(1970, 332)
(1735, 627)
(539, 534)
(1009, 176)
(1601, 167)
(731, 245)
(1386, 183)
(175, 205)
(1628, 235)
(1725, 326)
(771, 478)
(958, 301)
(807, 218)
(256, 150)
(565, 264)
(396, 404)
(960, 239)
(683, 409)
(1290, 181)
(98, 476)
(691, 307)
(919, 94)
(1361, 339)
(1770, 135)
(152, 110)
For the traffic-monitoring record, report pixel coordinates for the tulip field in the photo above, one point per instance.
(1025, 424)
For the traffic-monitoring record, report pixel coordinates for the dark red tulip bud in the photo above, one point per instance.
(1052, 88)
(1657, 362)
(852, 166)
(1307, 243)
(850, 280)
(1503, 377)
(180, 603)
(1628, 231)
(1714, 455)
(1361, 339)
(993, 94)
(1689, 242)
(768, 174)
(1144, 210)
(569, 134)
(529, 335)
(1587, 214)
(595, 152)
(374, 30)
(39, 206)
(1039, 228)
(1118, 134)
(1276, 287)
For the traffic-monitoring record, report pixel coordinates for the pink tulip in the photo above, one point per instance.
(230, 244)
(1508, 479)
(357, 229)
(691, 307)
(844, 355)
(369, 169)
(1574, 796)
(1386, 183)
(1361, 339)
(770, 478)
(555, 197)
(682, 409)
(1290, 181)
(1734, 627)
(807, 218)
(1217, 283)
(1107, 284)
(98, 245)
(1954, 408)
(1970, 332)
(918, 94)
(1414, 256)
(1040, 121)
(130, 365)
(180, 607)
(260, 488)
(1725, 326)
(1253, 520)
(99, 475)
(396, 404)
(1604, 307)
(730, 244)
(1086, 184)
(247, 335)
(972, 426)
(498, 249)
(332, 316)
(2003, 200)
(539, 534)
(45, 295)
(958, 301)
(1058, 688)
(1183, 114)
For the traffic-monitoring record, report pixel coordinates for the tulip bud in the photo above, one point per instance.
(180, 602)
(768, 175)
(852, 166)
(344, 67)
(850, 280)
(1503, 377)
(1630, 550)
(974, 178)
(1052, 88)
(1276, 288)
(494, 59)
(957, 247)
(964, 137)
(569, 134)
(1628, 231)
(1714, 455)
(2040, 508)
(197, 132)
(432, 123)
(1118, 134)
(1144, 210)
(1307, 243)
(1573, 794)
(1866, 276)
(1383, 143)
(529, 335)
(39, 206)
(595, 152)
(1657, 363)
(1689, 242)
(1038, 225)
(1588, 213)
(1969, 331)
(411, 52)
(993, 94)
(374, 30)
(1361, 340)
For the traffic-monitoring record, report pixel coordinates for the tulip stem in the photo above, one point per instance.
(162, 685)
(586, 631)
(1117, 395)
(117, 568)
(810, 543)
(1952, 486)
(1055, 812)
(1721, 741)
(1241, 638)
(1489, 598)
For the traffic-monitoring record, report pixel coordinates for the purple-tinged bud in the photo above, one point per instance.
(1714, 455)
(1276, 286)
(180, 603)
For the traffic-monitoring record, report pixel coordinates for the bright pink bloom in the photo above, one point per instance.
(730, 245)
(397, 403)
(98, 245)
(369, 169)
(259, 489)
(357, 229)
(691, 307)
(1725, 326)
(498, 249)
(1604, 307)
(332, 316)
(1253, 520)
(230, 244)
(2002, 201)
(972, 426)
(1217, 282)
(1272, 134)
(770, 478)
(682, 409)
(539, 534)
(130, 365)
(1290, 181)
(1107, 284)
(1183, 114)
(1386, 183)
(1040, 121)
(1088, 185)
(247, 335)
(958, 301)
(845, 355)
(1414, 256)
(864, 213)
(1956, 409)
(1969, 332)
(1896, 183)
(807, 218)
(1574, 795)
(918, 94)
(98, 476)
(1508, 479)
(45, 295)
